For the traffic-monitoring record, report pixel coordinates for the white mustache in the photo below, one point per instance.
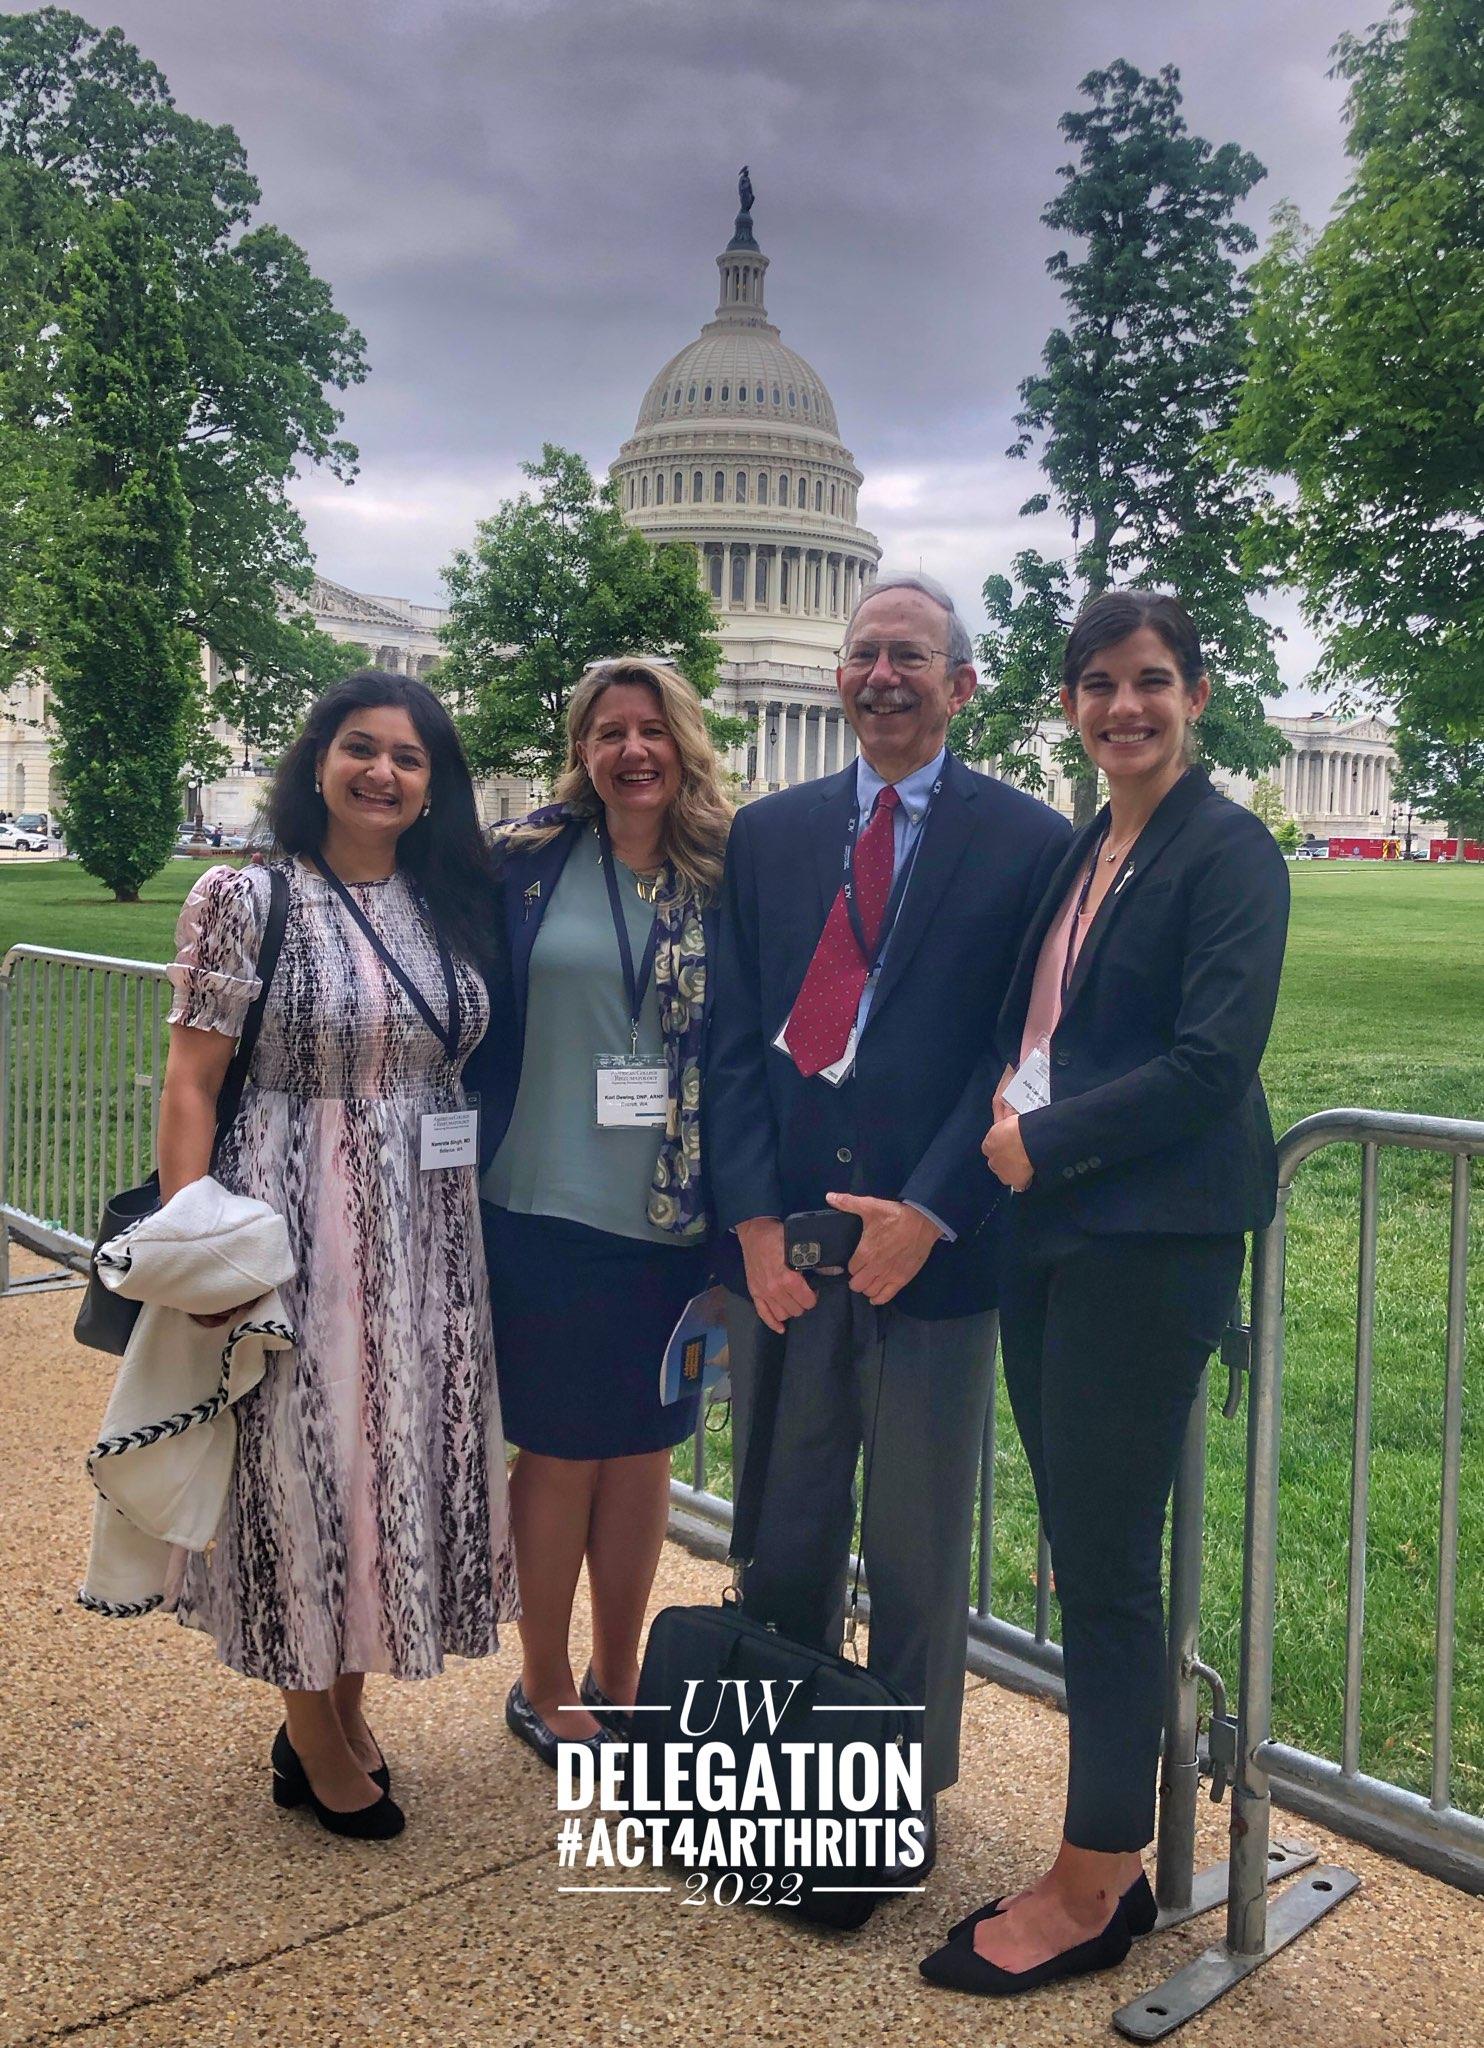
(888, 699)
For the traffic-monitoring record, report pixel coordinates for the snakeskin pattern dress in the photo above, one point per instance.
(368, 1525)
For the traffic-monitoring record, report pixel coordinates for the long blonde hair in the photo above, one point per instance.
(696, 825)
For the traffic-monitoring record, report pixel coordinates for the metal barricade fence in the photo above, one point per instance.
(1429, 1831)
(81, 1060)
(81, 1056)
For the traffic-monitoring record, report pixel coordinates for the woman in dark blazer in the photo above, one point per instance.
(1132, 1125)
(595, 1219)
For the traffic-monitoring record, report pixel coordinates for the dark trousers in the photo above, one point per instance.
(852, 1373)
(1105, 1339)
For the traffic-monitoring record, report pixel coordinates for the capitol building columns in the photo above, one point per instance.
(791, 742)
(1337, 776)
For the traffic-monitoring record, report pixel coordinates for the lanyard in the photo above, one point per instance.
(635, 985)
(447, 1036)
(1069, 959)
(871, 956)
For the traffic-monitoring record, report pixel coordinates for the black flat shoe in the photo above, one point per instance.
(1139, 1910)
(522, 1719)
(960, 1967)
(606, 1712)
(291, 1787)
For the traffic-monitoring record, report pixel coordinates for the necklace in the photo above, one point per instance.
(1117, 852)
(648, 884)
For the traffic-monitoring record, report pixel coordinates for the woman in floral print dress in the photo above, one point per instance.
(368, 1524)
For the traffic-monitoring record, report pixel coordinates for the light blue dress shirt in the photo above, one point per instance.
(915, 791)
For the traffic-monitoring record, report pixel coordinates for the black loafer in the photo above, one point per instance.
(959, 1966)
(606, 1712)
(291, 1787)
(1139, 1910)
(522, 1719)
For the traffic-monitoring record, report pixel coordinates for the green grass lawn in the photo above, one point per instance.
(1383, 1006)
(53, 903)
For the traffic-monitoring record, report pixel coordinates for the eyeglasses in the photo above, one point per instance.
(907, 657)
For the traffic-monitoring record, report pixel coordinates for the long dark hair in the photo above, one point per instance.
(1106, 620)
(444, 853)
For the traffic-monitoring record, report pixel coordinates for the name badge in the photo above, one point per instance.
(631, 1091)
(449, 1137)
(1030, 1085)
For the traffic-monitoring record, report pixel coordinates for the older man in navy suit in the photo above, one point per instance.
(870, 925)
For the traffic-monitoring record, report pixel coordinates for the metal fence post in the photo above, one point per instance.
(1247, 1898)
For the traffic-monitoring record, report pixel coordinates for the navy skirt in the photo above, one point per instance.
(582, 1319)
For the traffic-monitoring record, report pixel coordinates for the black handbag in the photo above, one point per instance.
(693, 1660)
(106, 1320)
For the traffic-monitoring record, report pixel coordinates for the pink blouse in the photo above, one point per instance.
(1044, 1014)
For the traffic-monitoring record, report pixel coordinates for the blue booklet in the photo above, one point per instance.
(696, 1356)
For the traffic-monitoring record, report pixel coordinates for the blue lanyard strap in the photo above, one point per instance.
(871, 955)
(447, 1035)
(636, 985)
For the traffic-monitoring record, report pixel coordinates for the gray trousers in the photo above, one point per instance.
(926, 1386)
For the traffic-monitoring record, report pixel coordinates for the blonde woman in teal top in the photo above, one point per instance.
(594, 1190)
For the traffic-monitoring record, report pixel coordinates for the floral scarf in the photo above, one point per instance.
(677, 1200)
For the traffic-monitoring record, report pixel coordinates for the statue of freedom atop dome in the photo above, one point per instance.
(742, 231)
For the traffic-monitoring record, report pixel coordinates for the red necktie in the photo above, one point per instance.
(825, 1008)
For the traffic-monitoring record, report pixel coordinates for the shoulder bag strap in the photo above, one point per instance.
(752, 1480)
(229, 1101)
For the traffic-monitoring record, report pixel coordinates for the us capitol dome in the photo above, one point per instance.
(737, 453)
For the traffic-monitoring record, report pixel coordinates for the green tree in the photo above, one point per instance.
(1441, 768)
(123, 670)
(1148, 365)
(1369, 342)
(1020, 656)
(1288, 835)
(1266, 802)
(556, 580)
(265, 719)
(84, 120)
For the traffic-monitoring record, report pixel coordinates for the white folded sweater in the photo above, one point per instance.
(163, 1462)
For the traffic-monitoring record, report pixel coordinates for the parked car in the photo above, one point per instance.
(35, 824)
(14, 840)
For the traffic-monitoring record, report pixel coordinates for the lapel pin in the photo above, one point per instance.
(532, 897)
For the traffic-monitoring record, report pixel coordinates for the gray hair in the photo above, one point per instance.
(960, 646)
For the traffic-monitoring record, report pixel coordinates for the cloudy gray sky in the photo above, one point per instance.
(519, 202)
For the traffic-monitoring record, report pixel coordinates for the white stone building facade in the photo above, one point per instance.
(25, 749)
(392, 633)
(1335, 781)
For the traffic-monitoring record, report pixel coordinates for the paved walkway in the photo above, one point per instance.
(152, 1897)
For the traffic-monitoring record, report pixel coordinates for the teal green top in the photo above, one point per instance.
(554, 1161)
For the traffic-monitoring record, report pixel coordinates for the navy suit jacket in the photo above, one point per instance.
(908, 1123)
(525, 879)
(1157, 1120)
